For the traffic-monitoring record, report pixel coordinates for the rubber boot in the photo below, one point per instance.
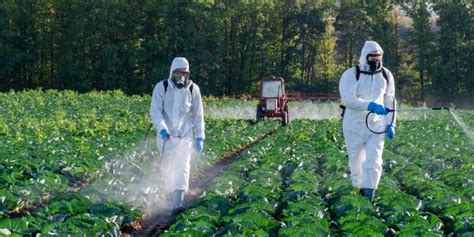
(368, 192)
(178, 197)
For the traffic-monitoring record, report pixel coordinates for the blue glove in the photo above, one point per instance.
(377, 108)
(199, 145)
(164, 134)
(390, 133)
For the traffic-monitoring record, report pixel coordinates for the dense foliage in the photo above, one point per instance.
(82, 156)
(296, 183)
(81, 162)
(54, 140)
(104, 45)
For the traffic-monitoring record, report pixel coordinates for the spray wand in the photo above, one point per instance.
(164, 143)
(146, 136)
(395, 110)
(417, 109)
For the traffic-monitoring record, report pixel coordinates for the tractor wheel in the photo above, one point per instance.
(285, 117)
(259, 113)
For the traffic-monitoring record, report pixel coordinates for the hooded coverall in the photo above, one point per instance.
(364, 147)
(180, 111)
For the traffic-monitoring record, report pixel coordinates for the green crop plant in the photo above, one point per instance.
(54, 142)
(294, 182)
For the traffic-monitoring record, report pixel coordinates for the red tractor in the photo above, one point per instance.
(273, 102)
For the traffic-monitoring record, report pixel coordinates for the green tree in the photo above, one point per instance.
(329, 72)
(352, 26)
(382, 23)
(302, 29)
(454, 75)
(18, 44)
(231, 45)
(8, 57)
(421, 45)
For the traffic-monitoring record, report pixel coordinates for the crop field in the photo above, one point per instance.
(79, 165)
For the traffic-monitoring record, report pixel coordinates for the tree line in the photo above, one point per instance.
(129, 45)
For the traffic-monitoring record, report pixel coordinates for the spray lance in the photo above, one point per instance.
(146, 137)
(395, 110)
(146, 143)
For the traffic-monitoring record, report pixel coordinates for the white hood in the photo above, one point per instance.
(369, 46)
(178, 62)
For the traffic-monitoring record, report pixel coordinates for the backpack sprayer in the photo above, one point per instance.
(165, 86)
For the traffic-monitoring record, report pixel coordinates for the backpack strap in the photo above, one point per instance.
(165, 84)
(357, 72)
(384, 73)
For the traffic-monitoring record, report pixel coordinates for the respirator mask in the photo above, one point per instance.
(375, 61)
(180, 79)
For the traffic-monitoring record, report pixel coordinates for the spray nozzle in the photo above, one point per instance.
(440, 108)
(418, 109)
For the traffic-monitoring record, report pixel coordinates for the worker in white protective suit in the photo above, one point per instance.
(367, 87)
(177, 114)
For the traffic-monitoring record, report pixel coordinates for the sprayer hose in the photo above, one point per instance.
(391, 122)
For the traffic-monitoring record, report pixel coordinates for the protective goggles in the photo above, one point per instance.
(180, 73)
(374, 57)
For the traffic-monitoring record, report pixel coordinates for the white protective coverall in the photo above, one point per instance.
(180, 111)
(364, 147)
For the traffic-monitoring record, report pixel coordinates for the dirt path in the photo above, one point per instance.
(155, 224)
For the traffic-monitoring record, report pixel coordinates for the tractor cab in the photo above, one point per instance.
(273, 100)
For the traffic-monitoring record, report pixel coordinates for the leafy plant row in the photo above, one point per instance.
(260, 194)
(123, 169)
(439, 173)
(53, 140)
(232, 205)
(396, 210)
(324, 200)
(105, 206)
